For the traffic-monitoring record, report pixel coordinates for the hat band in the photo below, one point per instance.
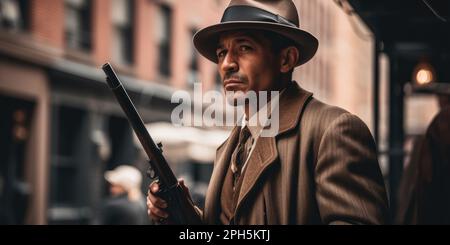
(249, 13)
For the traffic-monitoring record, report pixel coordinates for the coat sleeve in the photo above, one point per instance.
(350, 186)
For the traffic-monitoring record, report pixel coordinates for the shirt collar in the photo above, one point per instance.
(255, 130)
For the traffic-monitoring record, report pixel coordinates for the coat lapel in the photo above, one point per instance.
(265, 152)
(264, 155)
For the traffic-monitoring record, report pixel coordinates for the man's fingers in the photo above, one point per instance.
(156, 201)
(154, 212)
(185, 189)
(181, 182)
(154, 217)
(158, 213)
(154, 187)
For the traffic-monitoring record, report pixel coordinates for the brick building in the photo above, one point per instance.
(51, 87)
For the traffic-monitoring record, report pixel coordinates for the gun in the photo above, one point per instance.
(180, 206)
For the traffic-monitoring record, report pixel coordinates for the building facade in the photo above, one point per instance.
(61, 127)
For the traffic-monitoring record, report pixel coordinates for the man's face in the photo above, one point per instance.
(115, 189)
(246, 63)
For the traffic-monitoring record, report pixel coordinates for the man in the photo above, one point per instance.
(126, 206)
(320, 167)
(424, 196)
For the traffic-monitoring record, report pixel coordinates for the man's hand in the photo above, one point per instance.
(156, 206)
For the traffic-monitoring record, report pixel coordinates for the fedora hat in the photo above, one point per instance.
(278, 16)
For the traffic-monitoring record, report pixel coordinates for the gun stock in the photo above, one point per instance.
(180, 206)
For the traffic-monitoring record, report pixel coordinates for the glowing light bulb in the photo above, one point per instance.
(424, 76)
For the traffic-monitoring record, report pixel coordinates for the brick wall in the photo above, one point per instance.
(47, 22)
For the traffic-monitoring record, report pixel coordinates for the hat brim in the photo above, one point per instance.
(205, 40)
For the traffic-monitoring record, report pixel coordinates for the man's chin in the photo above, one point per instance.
(234, 102)
(235, 98)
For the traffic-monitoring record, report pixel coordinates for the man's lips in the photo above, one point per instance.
(231, 83)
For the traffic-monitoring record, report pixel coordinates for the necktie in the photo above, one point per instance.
(240, 154)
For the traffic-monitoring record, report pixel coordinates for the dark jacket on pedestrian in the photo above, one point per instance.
(425, 188)
(119, 210)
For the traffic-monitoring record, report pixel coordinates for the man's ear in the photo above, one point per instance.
(289, 58)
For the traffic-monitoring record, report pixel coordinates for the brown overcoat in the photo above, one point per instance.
(321, 168)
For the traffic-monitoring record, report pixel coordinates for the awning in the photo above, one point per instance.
(187, 143)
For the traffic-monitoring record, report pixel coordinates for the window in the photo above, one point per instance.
(77, 164)
(70, 188)
(15, 131)
(78, 24)
(14, 15)
(122, 19)
(193, 63)
(163, 35)
(68, 129)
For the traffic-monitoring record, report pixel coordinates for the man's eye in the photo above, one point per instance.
(221, 54)
(244, 48)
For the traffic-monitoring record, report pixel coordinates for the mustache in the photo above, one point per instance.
(234, 76)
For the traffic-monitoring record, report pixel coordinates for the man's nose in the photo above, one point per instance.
(229, 63)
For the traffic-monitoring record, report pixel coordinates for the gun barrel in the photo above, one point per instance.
(181, 208)
(160, 166)
(112, 80)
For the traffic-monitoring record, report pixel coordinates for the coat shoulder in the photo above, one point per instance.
(319, 118)
(320, 115)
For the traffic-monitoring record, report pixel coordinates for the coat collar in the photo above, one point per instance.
(291, 105)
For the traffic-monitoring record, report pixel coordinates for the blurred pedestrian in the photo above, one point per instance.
(126, 204)
(424, 194)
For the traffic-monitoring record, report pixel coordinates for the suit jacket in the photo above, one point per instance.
(321, 168)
